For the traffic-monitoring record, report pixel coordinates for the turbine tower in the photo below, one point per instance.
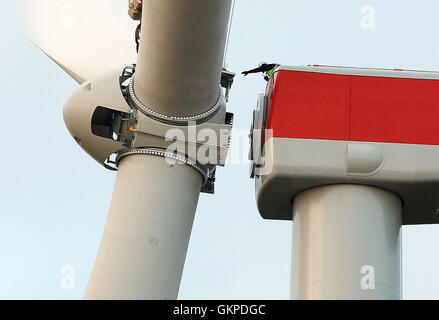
(148, 117)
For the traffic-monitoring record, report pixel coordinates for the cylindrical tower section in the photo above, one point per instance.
(346, 243)
(181, 54)
(144, 245)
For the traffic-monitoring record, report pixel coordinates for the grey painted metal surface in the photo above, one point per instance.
(346, 244)
(181, 54)
(146, 236)
(294, 165)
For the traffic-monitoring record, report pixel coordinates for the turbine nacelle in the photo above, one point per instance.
(324, 125)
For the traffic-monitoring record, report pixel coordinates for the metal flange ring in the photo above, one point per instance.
(165, 154)
(178, 120)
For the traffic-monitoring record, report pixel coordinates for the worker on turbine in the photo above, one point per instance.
(266, 68)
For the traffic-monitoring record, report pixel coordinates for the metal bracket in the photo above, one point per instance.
(227, 78)
(209, 186)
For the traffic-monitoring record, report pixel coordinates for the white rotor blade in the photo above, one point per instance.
(84, 37)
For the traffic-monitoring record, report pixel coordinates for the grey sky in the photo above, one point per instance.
(54, 198)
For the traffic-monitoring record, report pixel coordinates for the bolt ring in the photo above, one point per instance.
(165, 154)
(178, 120)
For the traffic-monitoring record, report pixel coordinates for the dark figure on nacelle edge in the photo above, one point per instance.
(266, 68)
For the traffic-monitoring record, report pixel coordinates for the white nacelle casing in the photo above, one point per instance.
(410, 171)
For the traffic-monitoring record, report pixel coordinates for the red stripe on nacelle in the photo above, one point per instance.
(312, 105)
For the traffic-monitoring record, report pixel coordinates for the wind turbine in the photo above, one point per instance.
(148, 117)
